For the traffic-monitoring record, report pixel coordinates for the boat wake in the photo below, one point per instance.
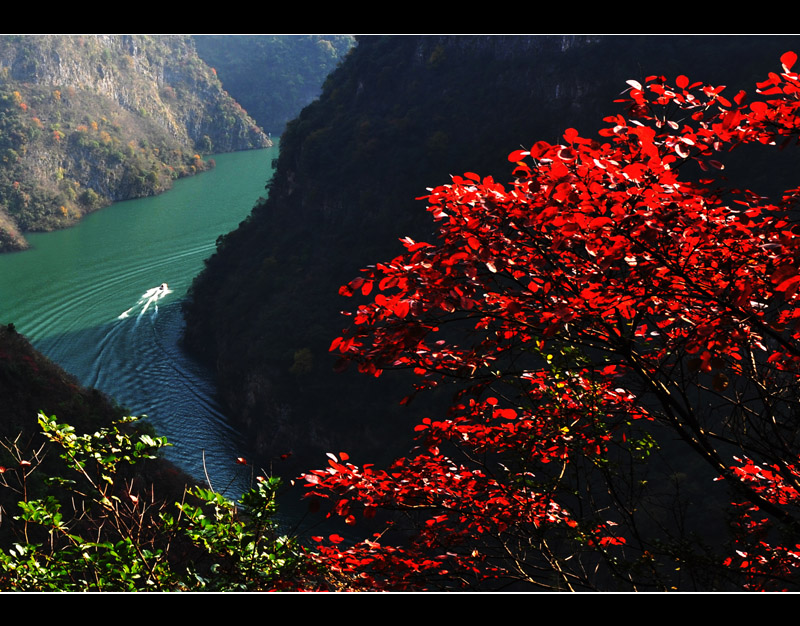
(151, 296)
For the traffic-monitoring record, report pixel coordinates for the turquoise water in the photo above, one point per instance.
(88, 298)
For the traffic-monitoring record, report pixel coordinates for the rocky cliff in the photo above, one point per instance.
(87, 120)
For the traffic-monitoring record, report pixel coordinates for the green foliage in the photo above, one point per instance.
(246, 552)
(303, 362)
(102, 530)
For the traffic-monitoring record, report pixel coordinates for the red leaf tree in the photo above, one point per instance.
(622, 329)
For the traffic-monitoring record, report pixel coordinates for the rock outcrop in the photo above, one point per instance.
(87, 120)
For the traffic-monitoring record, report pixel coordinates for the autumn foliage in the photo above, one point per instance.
(621, 326)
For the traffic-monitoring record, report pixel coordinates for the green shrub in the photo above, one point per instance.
(100, 527)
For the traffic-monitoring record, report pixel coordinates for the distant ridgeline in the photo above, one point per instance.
(88, 120)
(400, 114)
(273, 76)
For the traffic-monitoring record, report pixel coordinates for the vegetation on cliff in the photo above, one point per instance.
(273, 76)
(30, 383)
(608, 306)
(617, 325)
(399, 114)
(87, 120)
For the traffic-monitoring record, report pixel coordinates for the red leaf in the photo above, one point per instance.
(599, 222)
(786, 284)
(508, 414)
(539, 149)
(788, 59)
(570, 135)
(602, 256)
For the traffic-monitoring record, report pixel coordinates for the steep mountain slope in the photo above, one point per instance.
(273, 76)
(401, 114)
(87, 120)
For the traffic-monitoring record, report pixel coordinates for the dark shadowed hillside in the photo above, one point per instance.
(30, 383)
(401, 114)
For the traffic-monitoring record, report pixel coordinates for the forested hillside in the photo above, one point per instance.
(87, 120)
(273, 76)
(401, 114)
(571, 271)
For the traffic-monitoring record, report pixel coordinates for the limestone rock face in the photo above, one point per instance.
(87, 120)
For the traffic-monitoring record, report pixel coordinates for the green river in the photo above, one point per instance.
(91, 299)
